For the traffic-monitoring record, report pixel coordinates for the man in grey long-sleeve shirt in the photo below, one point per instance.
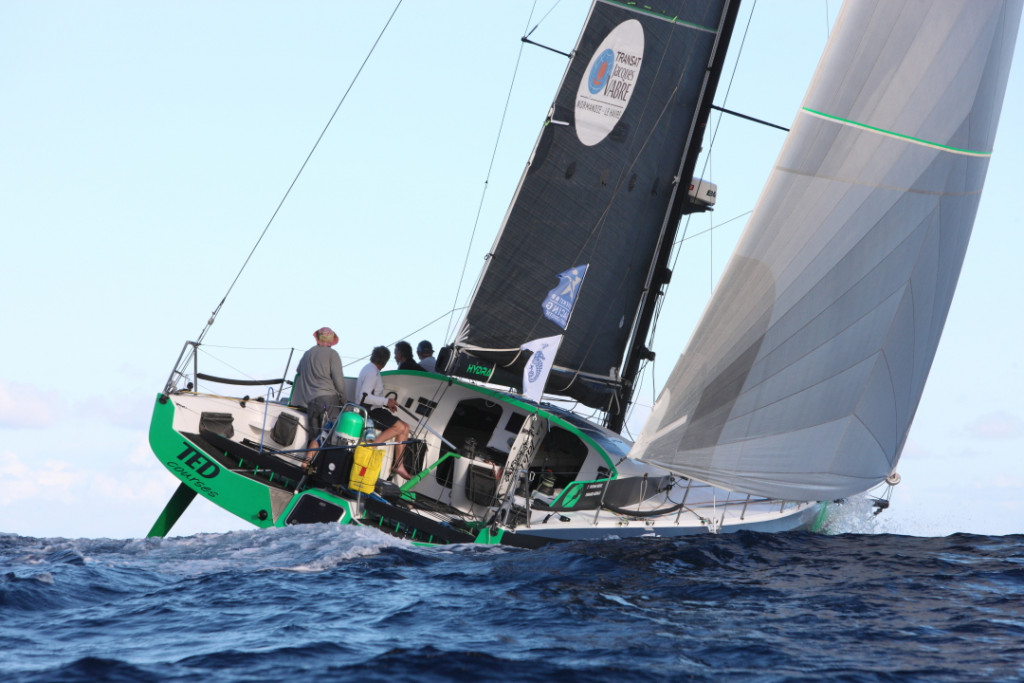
(320, 387)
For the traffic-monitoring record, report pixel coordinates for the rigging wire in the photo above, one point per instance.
(213, 316)
(714, 136)
(426, 325)
(542, 19)
(450, 329)
(715, 227)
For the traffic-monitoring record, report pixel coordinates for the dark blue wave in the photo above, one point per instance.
(92, 669)
(344, 603)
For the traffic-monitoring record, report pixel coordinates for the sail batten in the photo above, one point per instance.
(803, 377)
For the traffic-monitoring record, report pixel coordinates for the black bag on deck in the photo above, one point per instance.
(284, 429)
(217, 423)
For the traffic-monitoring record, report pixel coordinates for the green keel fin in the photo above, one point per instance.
(172, 511)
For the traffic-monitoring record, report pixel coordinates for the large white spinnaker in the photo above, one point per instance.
(804, 374)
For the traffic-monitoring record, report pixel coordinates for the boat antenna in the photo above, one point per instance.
(213, 315)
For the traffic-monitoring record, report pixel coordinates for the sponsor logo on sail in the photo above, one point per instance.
(559, 302)
(601, 71)
(608, 82)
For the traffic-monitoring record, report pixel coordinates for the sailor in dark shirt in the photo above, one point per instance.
(403, 356)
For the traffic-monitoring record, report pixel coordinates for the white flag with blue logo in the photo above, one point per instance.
(535, 374)
(559, 302)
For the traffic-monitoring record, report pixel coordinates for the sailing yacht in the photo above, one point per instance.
(800, 382)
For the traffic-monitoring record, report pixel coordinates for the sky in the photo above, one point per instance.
(145, 147)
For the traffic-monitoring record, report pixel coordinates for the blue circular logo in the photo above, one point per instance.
(601, 72)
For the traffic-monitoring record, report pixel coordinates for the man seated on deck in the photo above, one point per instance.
(370, 394)
(320, 387)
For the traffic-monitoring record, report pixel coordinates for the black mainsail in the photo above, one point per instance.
(608, 179)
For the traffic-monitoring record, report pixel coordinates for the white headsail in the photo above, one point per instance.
(804, 374)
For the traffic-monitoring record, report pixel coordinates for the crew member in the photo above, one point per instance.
(403, 356)
(425, 351)
(320, 386)
(370, 394)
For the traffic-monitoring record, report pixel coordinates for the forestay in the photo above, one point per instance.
(805, 372)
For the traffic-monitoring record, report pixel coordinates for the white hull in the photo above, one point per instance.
(593, 491)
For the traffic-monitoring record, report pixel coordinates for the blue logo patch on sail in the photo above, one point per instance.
(559, 302)
(601, 71)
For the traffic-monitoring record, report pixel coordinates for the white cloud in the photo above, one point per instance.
(67, 500)
(915, 449)
(1003, 482)
(137, 475)
(1014, 509)
(124, 410)
(142, 456)
(997, 425)
(27, 407)
(45, 496)
(49, 480)
(135, 487)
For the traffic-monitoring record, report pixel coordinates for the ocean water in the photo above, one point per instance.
(324, 602)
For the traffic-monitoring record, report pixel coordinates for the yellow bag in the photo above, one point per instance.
(365, 468)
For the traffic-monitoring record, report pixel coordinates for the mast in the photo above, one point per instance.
(659, 275)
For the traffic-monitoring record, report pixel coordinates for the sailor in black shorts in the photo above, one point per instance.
(370, 394)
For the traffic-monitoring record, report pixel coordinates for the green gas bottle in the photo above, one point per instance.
(350, 426)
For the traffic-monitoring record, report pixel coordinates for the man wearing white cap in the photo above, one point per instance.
(320, 386)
